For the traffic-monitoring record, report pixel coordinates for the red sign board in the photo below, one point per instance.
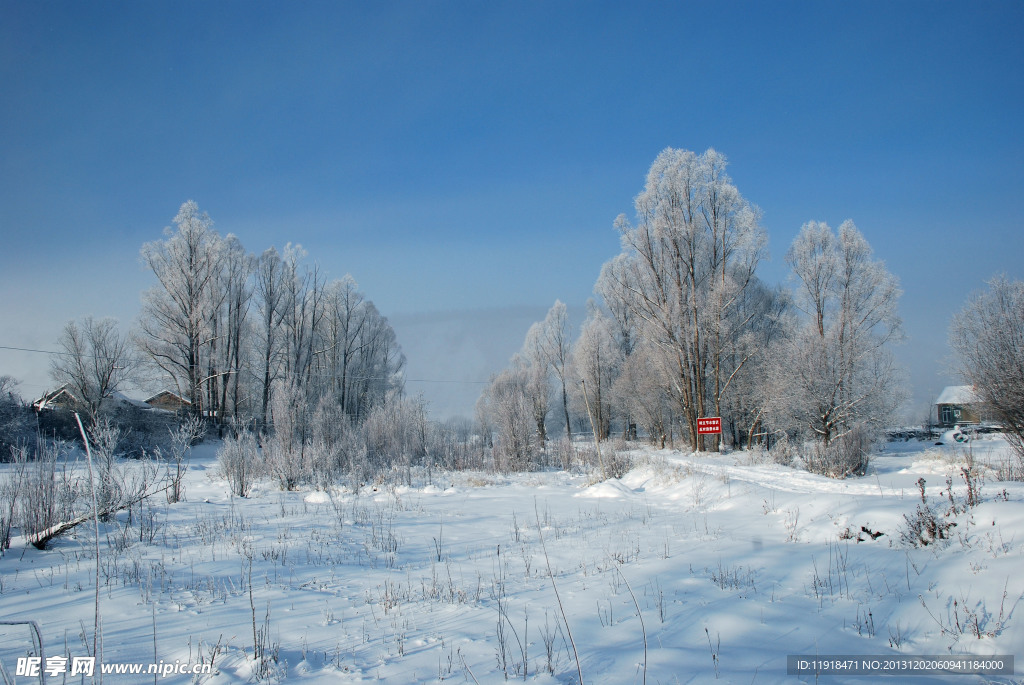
(709, 425)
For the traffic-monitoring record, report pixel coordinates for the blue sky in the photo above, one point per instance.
(464, 161)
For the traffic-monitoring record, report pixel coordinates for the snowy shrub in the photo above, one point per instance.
(510, 411)
(974, 482)
(182, 437)
(330, 433)
(782, 451)
(337, 449)
(562, 453)
(754, 456)
(847, 455)
(1011, 470)
(454, 445)
(395, 434)
(358, 468)
(924, 526)
(617, 463)
(284, 451)
(239, 462)
(11, 483)
(104, 438)
(50, 493)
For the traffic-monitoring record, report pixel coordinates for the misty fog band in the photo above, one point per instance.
(904, 664)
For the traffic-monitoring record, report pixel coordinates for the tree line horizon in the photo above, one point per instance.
(682, 328)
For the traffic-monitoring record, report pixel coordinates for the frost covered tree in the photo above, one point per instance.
(94, 361)
(835, 374)
(175, 325)
(8, 384)
(233, 290)
(286, 451)
(534, 361)
(380, 371)
(396, 436)
(194, 323)
(625, 336)
(596, 361)
(268, 339)
(987, 337)
(556, 347)
(356, 353)
(347, 314)
(269, 291)
(642, 392)
(763, 314)
(683, 268)
(507, 408)
(303, 310)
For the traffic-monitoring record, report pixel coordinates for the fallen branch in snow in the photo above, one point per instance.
(123, 493)
(41, 538)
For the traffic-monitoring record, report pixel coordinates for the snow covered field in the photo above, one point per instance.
(687, 570)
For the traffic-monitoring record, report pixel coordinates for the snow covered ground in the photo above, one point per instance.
(689, 569)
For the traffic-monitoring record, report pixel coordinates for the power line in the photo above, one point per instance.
(27, 349)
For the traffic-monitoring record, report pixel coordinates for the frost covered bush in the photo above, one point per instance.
(562, 453)
(285, 451)
(454, 445)
(925, 526)
(782, 452)
(395, 434)
(240, 462)
(104, 438)
(11, 483)
(337, 449)
(1011, 470)
(50, 493)
(617, 463)
(182, 437)
(329, 430)
(848, 455)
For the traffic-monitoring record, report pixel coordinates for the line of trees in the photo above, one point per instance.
(682, 328)
(263, 344)
(306, 372)
(223, 326)
(686, 329)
